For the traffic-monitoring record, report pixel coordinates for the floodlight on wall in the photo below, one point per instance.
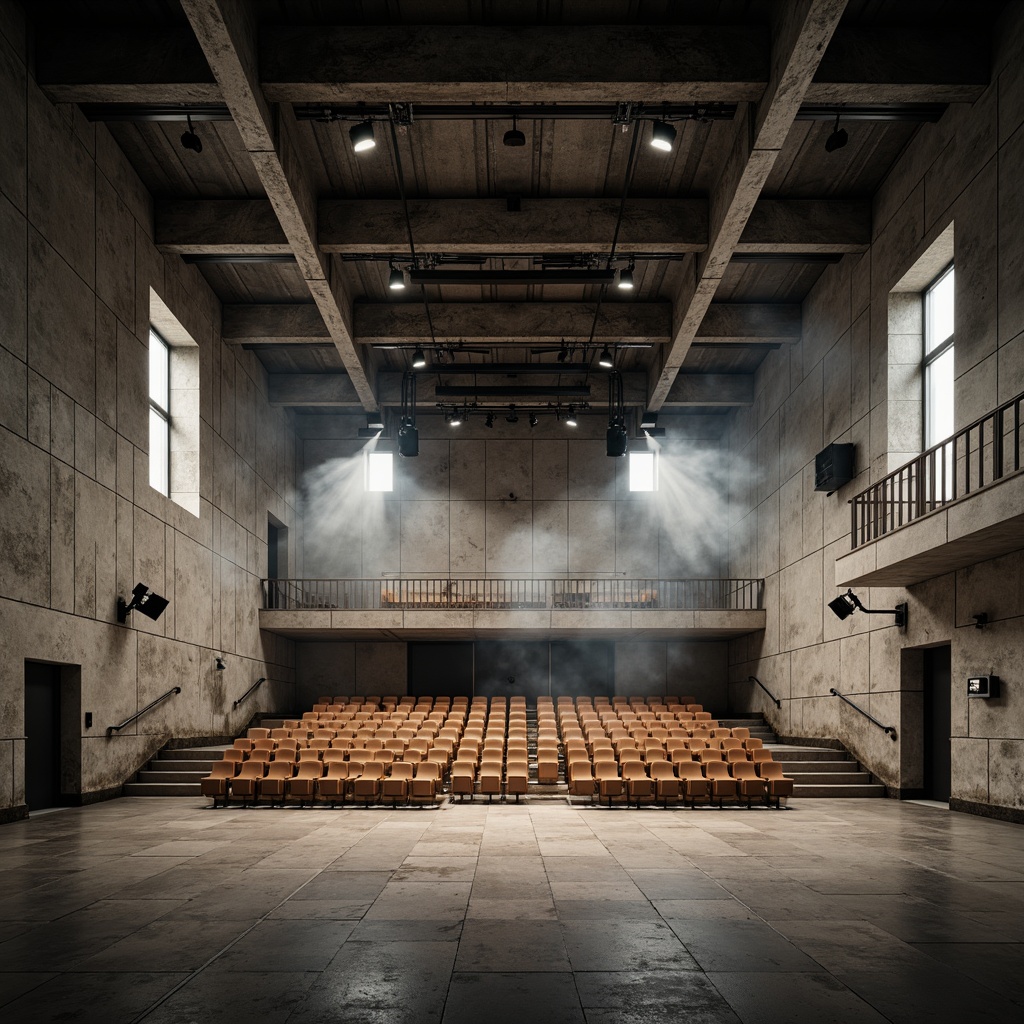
(189, 139)
(362, 136)
(514, 137)
(846, 604)
(837, 139)
(663, 137)
(375, 421)
(419, 360)
(396, 279)
(143, 600)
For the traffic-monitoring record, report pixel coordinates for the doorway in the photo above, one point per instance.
(937, 722)
(42, 735)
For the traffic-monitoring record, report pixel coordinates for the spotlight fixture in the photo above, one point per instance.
(563, 352)
(396, 279)
(221, 664)
(663, 137)
(189, 139)
(846, 604)
(408, 435)
(837, 139)
(408, 439)
(648, 419)
(514, 137)
(616, 440)
(419, 360)
(533, 420)
(375, 421)
(362, 136)
(605, 359)
(489, 422)
(570, 420)
(512, 416)
(143, 600)
(456, 418)
(626, 278)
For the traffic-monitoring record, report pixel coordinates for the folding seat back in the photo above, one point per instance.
(695, 785)
(463, 778)
(709, 755)
(289, 754)
(266, 745)
(760, 754)
(490, 776)
(753, 743)
(779, 786)
(233, 754)
(728, 743)
(426, 781)
(258, 734)
(666, 782)
(216, 783)
(272, 785)
(741, 733)
(279, 734)
(609, 782)
(396, 786)
(311, 754)
(639, 785)
(723, 785)
(735, 755)
(245, 784)
(750, 785)
(366, 785)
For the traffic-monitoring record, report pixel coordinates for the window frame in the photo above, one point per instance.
(930, 358)
(162, 412)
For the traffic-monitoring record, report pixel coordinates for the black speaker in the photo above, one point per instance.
(833, 467)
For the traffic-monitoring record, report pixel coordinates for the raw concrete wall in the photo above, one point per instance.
(840, 384)
(79, 523)
(512, 501)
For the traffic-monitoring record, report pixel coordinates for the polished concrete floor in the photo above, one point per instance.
(162, 910)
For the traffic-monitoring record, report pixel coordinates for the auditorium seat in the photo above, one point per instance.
(302, 785)
(750, 785)
(272, 784)
(695, 785)
(723, 785)
(216, 783)
(779, 786)
(609, 783)
(332, 786)
(367, 784)
(667, 783)
(425, 782)
(639, 786)
(244, 784)
(396, 785)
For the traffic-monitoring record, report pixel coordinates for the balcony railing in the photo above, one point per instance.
(976, 457)
(575, 593)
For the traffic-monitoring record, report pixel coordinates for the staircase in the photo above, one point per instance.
(815, 771)
(174, 772)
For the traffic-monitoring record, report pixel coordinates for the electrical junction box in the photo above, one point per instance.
(983, 686)
(833, 467)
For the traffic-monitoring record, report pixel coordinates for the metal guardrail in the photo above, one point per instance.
(572, 593)
(138, 714)
(974, 458)
(889, 730)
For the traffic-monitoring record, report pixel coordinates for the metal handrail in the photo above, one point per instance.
(889, 730)
(976, 457)
(260, 681)
(754, 679)
(139, 714)
(575, 593)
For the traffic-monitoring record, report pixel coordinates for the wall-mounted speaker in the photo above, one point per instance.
(833, 467)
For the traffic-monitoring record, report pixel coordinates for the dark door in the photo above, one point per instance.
(42, 735)
(440, 670)
(508, 668)
(582, 667)
(936, 723)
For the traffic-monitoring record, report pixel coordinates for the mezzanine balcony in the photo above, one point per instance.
(527, 608)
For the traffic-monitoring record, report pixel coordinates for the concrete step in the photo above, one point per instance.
(849, 778)
(192, 753)
(148, 776)
(159, 764)
(786, 753)
(860, 790)
(162, 789)
(818, 767)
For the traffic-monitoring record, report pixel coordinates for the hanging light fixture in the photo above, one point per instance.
(456, 417)
(419, 360)
(362, 136)
(663, 137)
(489, 422)
(189, 139)
(396, 279)
(533, 420)
(513, 416)
(514, 137)
(626, 278)
(837, 139)
(616, 438)
(605, 359)
(408, 435)
(570, 420)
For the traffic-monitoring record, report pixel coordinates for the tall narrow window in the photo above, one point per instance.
(159, 413)
(938, 359)
(643, 473)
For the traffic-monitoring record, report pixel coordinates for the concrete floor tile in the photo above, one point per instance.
(235, 998)
(642, 997)
(745, 946)
(290, 946)
(407, 931)
(999, 967)
(532, 946)
(511, 998)
(626, 946)
(793, 999)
